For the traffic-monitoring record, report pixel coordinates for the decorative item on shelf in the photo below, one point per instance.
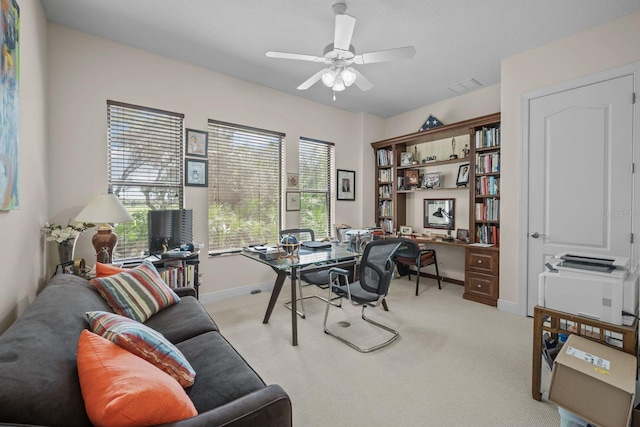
(411, 178)
(65, 237)
(465, 151)
(406, 158)
(401, 183)
(105, 209)
(431, 180)
(415, 155)
(463, 175)
(405, 230)
(453, 155)
(429, 159)
(430, 123)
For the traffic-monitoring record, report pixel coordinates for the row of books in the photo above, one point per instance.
(384, 191)
(386, 225)
(385, 157)
(487, 185)
(488, 163)
(179, 276)
(489, 210)
(385, 175)
(385, 208)
(489, 234)
(488, 137)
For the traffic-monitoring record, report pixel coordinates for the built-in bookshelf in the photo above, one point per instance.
(485, 199)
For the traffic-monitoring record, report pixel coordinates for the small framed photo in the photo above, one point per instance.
(462, 235)
(411, 178)
(196, 142)
(405, 230)
(346, 185)
(196, 173)
(293, 180)
(293, 201)
(431, 180)
(406, 158)
(463, 175)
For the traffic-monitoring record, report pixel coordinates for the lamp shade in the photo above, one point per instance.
(104, 208)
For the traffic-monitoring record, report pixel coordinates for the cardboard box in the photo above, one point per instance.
(595, 382)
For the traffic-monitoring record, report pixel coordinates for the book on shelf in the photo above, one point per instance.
(488, 137)
(488, 162)
(487, 185)
(489, 234)
(385, 157)
(488, 210)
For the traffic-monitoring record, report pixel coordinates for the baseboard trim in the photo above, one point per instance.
(235, 292)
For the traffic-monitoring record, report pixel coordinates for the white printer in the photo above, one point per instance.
(595, 287)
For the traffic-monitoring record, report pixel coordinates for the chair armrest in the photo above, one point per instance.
(185, 291)
(337, 270)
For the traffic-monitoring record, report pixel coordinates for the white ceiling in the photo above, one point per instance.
(455, 40)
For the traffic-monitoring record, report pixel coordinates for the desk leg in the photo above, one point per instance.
(294, 307)
(277, 287)
(536, 364)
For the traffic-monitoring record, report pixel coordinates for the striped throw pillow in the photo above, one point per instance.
(138, 293)
(144, 342)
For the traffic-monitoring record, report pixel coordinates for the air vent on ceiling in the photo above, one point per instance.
(465, 86)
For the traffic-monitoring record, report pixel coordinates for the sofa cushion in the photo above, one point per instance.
(106, 270)
(138, 293)
(182, 321)
(223, 375)
(38, 374)
(144, 342)
(121, 389)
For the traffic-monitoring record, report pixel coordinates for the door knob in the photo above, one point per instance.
(535, 235)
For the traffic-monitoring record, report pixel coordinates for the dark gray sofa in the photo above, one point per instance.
(39, 380)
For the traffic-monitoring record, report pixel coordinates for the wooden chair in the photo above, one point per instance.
(410, 254)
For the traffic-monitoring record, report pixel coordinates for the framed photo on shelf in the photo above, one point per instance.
(293, 201)
(406, 158)
(431, 180)
(463, 175)
(293, 180)
(405, 230)
(462, 235)
(411, 178)
(346, 183)
(196, 143)
(196, 173)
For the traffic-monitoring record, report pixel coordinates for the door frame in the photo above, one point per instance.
(523, 202)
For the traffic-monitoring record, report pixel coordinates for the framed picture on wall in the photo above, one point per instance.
(346, 185)
(196, 173)
(293, 201)
(196, 143)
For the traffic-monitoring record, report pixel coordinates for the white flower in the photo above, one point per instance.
(56, 233)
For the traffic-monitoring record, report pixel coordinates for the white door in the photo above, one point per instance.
(580, 174)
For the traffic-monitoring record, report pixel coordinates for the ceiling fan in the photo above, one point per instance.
(340, 55)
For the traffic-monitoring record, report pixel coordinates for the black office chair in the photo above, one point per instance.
(313, 275)
(409, 254)
(372, 286)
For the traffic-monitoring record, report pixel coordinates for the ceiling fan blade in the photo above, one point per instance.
(406, 52)
(312, 80)
(298, 56)
(344, 31)
(361, 81)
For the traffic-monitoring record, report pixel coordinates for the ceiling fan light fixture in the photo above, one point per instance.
(329, 78)
(348, 76)
(339, 86)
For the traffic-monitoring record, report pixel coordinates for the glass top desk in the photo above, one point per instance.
(290, 265)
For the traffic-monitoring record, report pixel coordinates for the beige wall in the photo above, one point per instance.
(21, 251)
(85, 71)
(607, 46)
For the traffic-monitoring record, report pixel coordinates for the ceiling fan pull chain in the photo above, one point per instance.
(334, 95)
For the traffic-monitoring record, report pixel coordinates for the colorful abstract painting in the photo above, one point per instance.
(9, 109)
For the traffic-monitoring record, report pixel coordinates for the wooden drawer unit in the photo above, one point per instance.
(482, 271)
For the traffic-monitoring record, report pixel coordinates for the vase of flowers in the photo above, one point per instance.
(65, 237)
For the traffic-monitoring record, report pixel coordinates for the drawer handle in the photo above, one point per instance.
(479, 261)
(479, 286)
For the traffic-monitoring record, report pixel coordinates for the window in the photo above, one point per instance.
(245, 190)
(316, 160)
(145, 168)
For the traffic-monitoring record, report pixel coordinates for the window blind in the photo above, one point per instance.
(145, 168)
(316, 159)
(245, 186)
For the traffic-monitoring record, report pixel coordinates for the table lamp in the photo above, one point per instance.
(104, 209)
(441, 213)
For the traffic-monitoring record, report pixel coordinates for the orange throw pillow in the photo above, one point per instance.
(121, 389)
(106, 270)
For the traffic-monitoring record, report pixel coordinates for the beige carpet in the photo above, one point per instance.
(456, 363)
